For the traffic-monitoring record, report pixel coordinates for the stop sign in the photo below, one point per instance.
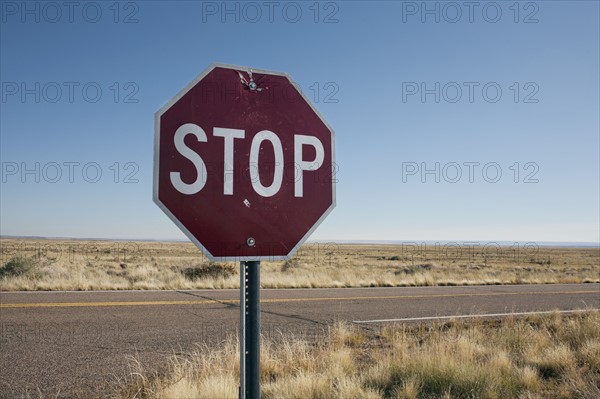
(244, 164)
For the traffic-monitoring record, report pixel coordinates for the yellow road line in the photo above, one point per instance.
(281, 300)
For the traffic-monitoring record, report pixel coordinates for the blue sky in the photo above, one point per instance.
(370, 61)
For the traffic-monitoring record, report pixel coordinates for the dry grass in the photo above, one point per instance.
(88, 265)
(546, 356)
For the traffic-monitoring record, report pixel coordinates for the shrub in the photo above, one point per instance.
(17, 266)
(290, 264)
(209, 270)
(395, 257)
(414, 268)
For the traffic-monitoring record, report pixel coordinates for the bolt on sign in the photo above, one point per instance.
(244, 164)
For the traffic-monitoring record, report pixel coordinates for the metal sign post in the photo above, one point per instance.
(242, 330)
(250, 330)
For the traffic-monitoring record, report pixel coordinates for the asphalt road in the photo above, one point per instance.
(78, 344)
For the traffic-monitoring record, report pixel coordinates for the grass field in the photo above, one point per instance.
(49, 264)
(545, 356)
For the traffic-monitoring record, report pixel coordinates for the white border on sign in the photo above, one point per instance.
(162, 206)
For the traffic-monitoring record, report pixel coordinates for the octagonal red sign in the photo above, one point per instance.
(244, 164)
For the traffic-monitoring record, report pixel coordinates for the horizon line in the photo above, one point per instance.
(334, 241)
